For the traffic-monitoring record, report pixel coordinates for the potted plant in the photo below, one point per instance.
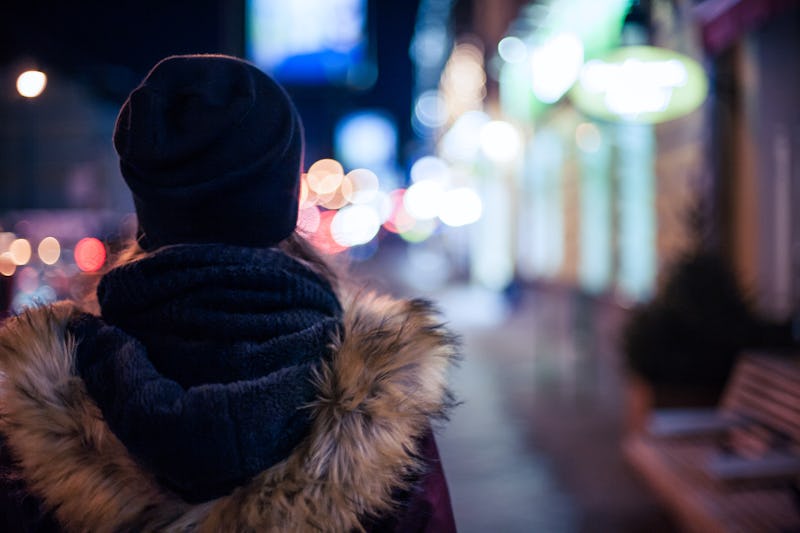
(680, 347)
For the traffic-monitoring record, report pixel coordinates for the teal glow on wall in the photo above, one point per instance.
(636, 210)
(516, 97)
(597, 23)
(548, 59)
(543, 171)
(596, 217)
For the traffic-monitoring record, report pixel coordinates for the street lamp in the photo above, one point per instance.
(31, 83)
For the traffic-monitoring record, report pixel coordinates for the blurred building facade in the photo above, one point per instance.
(607, 203)
(465, 146)
(755, 131)
(490, 158)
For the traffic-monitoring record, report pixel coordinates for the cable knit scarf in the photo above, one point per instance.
(201, 361)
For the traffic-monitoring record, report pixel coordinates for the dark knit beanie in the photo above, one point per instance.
(211, 148)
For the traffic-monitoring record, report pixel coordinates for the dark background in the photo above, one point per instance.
(109, 47)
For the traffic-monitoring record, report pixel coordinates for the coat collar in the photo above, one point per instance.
(385, 382)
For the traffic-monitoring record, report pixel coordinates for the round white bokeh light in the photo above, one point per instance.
(354, 225)
(500, 141)
(422, 199)
(460, 207)
(31, 83)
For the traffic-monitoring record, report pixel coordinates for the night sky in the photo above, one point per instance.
(110, 46)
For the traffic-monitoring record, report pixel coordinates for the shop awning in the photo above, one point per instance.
(723, 22)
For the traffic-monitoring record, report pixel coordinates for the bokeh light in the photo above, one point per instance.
(31, 83)
(333, 200)
(462, 142)
(512, 49)
(322, 238)
(422, 199)
(366, 139)
(354, 225)
(325, 176)
(463, 81)
(431, 109)
(305, 200)
(308, 220)
(310, 199)
(399, 220)
(20, 250)
(420, 231)
(430, 168)
(555, 66)
(7, 265)
(383, 205)
(90, 254)
(360, 186)
(49, 250)
(338, 211)
(460, 207)
(429, 45)
(500, 141)
(464, 76)
(640, 84)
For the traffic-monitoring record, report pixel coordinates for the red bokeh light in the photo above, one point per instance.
(90, 254)
(308, 220)
(399, 221)
(322, 239)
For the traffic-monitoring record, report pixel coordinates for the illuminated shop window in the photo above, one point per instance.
(596, 218)
(543, 229)
(636, 210)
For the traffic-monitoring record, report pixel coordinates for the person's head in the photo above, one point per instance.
(211, 148)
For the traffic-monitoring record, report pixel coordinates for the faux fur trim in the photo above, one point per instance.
(377, 395)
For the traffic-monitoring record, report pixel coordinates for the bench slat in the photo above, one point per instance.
(709, 487)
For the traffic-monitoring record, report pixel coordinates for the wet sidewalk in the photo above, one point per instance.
(497, 481)
(535, 445)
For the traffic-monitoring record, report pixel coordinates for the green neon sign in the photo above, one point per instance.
(640, 84)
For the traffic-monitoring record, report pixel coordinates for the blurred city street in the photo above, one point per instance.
(548, 172)
(535, 444)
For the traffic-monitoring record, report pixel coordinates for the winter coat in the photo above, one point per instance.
(368, 463)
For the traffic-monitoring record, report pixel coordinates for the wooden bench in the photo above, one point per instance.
(734, 468)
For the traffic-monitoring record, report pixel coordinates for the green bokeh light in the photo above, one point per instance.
(679, 99)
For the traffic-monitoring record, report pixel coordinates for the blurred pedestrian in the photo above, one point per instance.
(227, 379)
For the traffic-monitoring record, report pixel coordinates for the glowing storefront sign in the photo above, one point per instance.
(640, 84)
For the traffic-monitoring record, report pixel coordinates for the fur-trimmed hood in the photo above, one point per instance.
(377, 394)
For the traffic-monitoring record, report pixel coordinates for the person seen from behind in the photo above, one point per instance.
(224, 378)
